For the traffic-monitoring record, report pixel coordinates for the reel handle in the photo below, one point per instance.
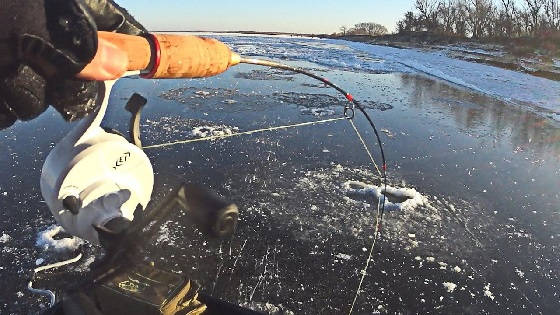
(173, 56)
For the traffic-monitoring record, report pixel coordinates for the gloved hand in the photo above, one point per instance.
(43, 45)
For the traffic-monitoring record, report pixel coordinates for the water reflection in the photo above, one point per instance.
(485, 116)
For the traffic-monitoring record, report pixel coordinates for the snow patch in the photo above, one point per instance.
(267, 308)
(343, 256)
(5, 238)
(450, 286)
(409, 198)
(487, 292)
(46, 240)
(164, 236)
(202, 93)
(318, 112)
(213, 131)
(509, 86)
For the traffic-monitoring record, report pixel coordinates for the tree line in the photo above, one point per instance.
(483, 18)
(366, 28)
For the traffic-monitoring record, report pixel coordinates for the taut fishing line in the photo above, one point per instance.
(349, 111)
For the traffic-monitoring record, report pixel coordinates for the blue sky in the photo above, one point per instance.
(304, 16)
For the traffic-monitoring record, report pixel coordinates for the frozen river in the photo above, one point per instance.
(475, 150)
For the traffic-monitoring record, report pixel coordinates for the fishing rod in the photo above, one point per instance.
(96, 182)
(187, 56)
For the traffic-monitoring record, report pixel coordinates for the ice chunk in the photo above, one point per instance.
(214, 131)
(318, 112)
(343, 256)
(267, 308)
(5, 238)
(450, 286)
(487, 292)
(46, 240)
(202, 93)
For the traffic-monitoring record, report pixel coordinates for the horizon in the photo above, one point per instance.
(289, 16)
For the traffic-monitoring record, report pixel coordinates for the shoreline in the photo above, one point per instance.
(493, 54)
(509, 56)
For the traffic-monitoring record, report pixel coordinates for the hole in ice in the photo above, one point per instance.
(61, 235)
(398, 198)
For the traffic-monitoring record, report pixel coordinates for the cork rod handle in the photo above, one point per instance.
(180, 56)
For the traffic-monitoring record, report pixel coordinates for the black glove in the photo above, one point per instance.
(43, 45)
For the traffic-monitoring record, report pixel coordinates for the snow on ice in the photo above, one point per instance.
(411, 198)
(214, 131)
(343, 256)
(487, 292)
(450, 286)
(318, 112)
(46, 240)
(5, 238)
(513, 87)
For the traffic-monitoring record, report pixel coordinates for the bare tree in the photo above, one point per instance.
(534, 9)
(369, 28)
(478, 17)
(375, 29)
(551, 15)
(505, 19)
(428, 14)
(343, 29)
(461, 24)
(481, 18)
(408, 23)
(447, 13)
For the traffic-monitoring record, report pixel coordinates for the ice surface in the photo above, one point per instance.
(46, 240)
(510, 86)
(507, 85)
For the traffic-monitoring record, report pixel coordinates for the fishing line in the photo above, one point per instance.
(377, 222)
(209, 138)
(48, 293)
(349, 112)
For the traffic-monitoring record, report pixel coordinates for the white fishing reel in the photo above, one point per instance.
(93, 176)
